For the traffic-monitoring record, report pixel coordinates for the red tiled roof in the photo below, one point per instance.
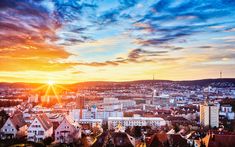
(18, 120)
(44, 120)
(219, 140)
(158, 139)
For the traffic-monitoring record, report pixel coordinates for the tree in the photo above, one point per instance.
(3, 117)
(97, 129)
(202, 144)
(48, 140)
(136, 131)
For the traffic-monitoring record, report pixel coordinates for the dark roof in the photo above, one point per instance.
(159, 140)
(176, 118)
(18, 120)
(177, 140)
(117, 139)
(219, 140)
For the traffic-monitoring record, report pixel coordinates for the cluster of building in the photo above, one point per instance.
(40, 128)
(192, 115)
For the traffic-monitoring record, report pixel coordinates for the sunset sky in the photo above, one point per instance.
(70, 41)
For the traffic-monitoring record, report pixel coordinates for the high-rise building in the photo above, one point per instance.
(33, 98)
(162, 100)
(81, 104)
(209, 114)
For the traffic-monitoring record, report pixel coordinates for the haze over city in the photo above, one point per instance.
(70, 41)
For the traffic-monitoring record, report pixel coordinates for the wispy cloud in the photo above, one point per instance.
(56, 36)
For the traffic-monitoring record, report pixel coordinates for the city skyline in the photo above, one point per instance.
(116, 40)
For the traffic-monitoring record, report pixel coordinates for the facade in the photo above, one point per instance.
(209, 114)
(161, 100)
(33, 98)
(135, 121)
(40, 128)
(226, 111)
(90, 122)
(67, 131)
(114, 104)
(94, 113)
(15, 126)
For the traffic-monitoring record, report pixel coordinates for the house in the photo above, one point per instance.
(67, 131)
(217, 140)
(158, 139)
(15, 126)
(117, 139)
(40, 128)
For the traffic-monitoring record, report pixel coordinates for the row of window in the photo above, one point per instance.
(6, 130)
(34, 138)
(136, 122)
(62, 133)
(37, 132)
(36, 126)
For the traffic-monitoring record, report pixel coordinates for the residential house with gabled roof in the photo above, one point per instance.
(15, 126)
(40, 128)
(67, 131)
(117, 139)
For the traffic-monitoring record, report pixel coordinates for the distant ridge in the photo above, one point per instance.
(206, 82)
(201, 82)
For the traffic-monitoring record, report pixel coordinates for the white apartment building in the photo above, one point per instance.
(106, 114)
(135, 121)
(226, 111)
(91, 122)
(33, 98)
(112, 104)
(94, 113)
(162, 100)
(40, 109)
(209, 114)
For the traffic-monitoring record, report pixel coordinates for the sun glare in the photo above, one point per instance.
(50, 82)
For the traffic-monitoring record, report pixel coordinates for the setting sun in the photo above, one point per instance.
(50, 82)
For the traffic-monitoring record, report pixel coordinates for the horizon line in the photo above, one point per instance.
(121, 81)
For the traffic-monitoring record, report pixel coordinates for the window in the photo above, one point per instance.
(12, 129)
(8, 124)
(40, 132)
(5, 130)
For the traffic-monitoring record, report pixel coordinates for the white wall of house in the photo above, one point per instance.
(8, 128)
(36, 132)
(66, 132)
